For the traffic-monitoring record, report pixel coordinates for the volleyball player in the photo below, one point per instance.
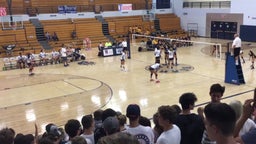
(166, 55)
(157, 54)
(252, 56)
(30, 62)
(122, 58)
(63, 52)
(170, 58)
(174, 48)
(153, 71)
(242, 55)
(216, 49)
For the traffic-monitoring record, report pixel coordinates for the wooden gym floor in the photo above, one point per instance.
(56, 93)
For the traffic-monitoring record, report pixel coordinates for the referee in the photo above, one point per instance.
(236, 45)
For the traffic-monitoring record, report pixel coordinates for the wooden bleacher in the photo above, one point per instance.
(119, 26)
(91, 29)
(13, 37)
(170, 23)
(85, 28)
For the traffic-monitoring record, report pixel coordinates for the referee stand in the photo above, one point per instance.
(233, 73)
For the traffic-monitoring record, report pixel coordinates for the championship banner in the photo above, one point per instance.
(125, 7)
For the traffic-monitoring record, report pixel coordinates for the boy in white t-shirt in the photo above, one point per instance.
(144, 134)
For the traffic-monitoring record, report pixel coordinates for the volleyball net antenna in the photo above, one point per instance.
(216, 46)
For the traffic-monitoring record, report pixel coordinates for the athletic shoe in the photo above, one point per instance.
(158, 81)
(151, 79)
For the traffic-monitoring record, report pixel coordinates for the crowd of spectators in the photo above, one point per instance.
(217, 123)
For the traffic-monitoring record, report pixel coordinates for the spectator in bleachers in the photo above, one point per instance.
(45, 140)
(220, 121)
(254, 115)
(249, 137)
(138, 30)
(7, 136)
(147, 32)
(73, 128)
(191, 125)
(157, 129)
(142, 133)
(52, 133)
(144, 121)
(122, 122)
(97, 115)
(171, 134)
(111, 125)
(48, 36)
(55, 37)
(88, 129)
(99, 131)
(249, 123)
(24, 139)
(216, 93)
(21, 61)
(73, 34)
(119, 138)
(64, 136)
(78, 140)
(177, 108)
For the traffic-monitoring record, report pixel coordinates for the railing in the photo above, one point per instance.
(80, 8)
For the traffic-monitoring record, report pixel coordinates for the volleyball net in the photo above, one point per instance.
(215, 49)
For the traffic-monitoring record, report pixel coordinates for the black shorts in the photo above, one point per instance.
(64, 58)
(170, 59)
(125, 48)
(150, 68)
(236, 52)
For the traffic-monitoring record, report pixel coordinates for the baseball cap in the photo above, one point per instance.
(111, 125)
(52, 129)
(133, 110)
